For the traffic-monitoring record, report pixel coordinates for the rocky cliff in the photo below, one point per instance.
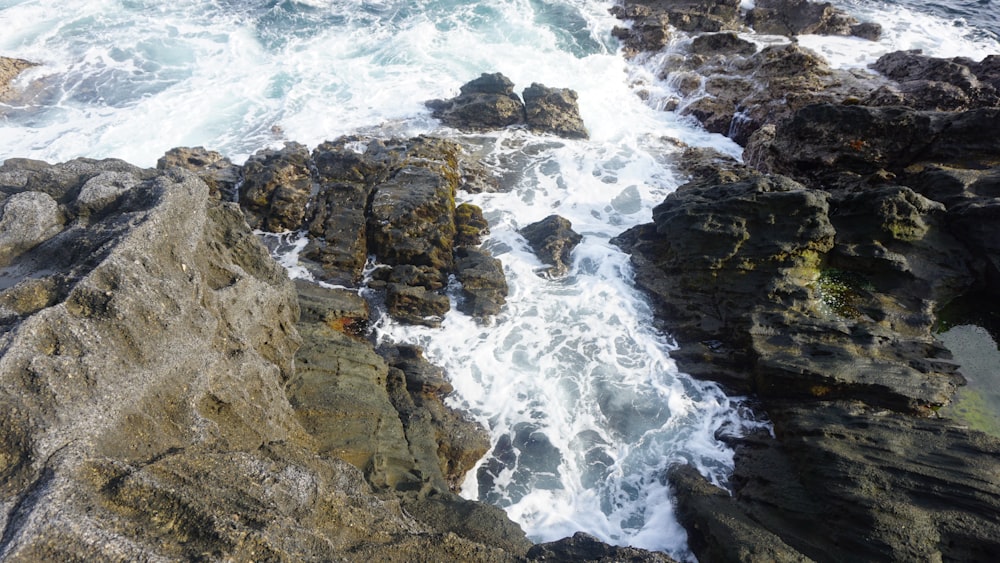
(813, 278)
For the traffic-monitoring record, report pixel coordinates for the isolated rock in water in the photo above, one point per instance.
(9, 69)
(217, 171)
(484, 104)
(553, 240)
(554, 110)
(484, 287)
(801, 17)
(276, 186)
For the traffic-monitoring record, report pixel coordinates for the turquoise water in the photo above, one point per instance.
(584, 404)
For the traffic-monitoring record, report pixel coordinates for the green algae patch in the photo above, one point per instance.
(842, 292)
(978, 404)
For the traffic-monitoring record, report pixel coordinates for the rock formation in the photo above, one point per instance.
(553, 240)
(151, 405)
(812, 279)
(489, 103)
(9, 69)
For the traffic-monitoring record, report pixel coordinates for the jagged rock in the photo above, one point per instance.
(416, 305)
(553, 110)
(718, 530)
(849, 141)
(483, 104)
(9, 69)
(553, 240)
(801, 17)
(726, 44)
(742, 93)
(217, 171)
(647, 32)
(928, 83)
(484, 287)
(584, 547)
(470, 225)
(161, 337)
(276, 187)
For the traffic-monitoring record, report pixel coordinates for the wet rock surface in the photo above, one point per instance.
(812, 278)
(553, 240)
(9, 69)
(489, 103)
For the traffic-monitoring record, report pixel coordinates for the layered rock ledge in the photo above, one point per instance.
(812, 278)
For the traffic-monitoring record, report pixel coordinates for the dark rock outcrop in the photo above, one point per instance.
(929, 83)
(819, 295)
(801, 17)
(483, 104)
(584, 547)
(484, 287)
(489, 103)
(553, 240)
(276, 187)
(553, 110)
(392, 199)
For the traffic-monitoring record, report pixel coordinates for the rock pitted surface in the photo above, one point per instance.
(391, 199)
(553, 240)
(151, 405)
(813, 277)
(489, 103)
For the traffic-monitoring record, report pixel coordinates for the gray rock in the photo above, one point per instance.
(102, 190)
(217, 171)
(584, 547)
(27, 219)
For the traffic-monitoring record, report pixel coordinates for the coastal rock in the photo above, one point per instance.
(27, 219)
(840, 143)
(217, 171)
(801, 17)
(553, 110)
(276, 186)
(928, 83)
(647, 31)
(9, 69)
(470, 225)
(743, 91)
(151, 352)
(584, 547)
(553, 240)
(483, 104)
(484, 287)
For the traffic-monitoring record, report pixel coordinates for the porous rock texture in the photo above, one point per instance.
(147, 348)
(811, 278)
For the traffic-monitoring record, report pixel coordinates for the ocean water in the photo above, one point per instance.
(584, 404)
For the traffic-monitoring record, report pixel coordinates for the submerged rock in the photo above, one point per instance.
(9, 69)
(553, 240)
